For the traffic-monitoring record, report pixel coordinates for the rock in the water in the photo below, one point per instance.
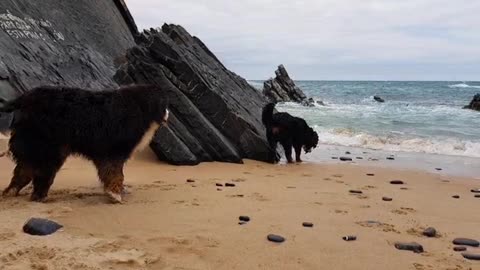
(348, 153)
(215, 114)
(390, 158)
(474, 104)
(430, 232)
(334, 157)
(378, 99)
(466, 242)
(275, 238)
(41, 227)
(359, 157)
(244, 218)
(387, 199)
(439, 169)
(459, 249)
(283, 89)
(345, 159)
(471, 256)
(307, 224)
(415, 247)
(397, 182)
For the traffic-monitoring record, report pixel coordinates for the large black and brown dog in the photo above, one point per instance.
(290, 131)
(51, 123)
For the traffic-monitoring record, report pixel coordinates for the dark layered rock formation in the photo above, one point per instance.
(51, 42)
(215, 113)
(474, 104)
(283, 89)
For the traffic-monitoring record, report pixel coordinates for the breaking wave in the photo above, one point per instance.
(463, 85)
(397, 141)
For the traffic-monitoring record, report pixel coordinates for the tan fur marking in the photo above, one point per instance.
(147, 137)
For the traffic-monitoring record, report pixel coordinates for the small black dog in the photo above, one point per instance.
(290, 131)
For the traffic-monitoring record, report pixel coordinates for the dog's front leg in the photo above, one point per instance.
(287, 147)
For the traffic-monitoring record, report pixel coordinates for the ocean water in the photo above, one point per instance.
(417, 117)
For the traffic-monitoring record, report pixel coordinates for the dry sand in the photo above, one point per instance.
(167, 223)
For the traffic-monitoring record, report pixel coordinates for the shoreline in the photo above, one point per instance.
(169, 223)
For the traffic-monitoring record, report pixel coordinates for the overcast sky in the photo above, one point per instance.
(331, 39)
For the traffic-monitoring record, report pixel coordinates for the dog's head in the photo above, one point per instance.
(311, 140)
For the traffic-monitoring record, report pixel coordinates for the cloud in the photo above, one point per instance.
(331, 39)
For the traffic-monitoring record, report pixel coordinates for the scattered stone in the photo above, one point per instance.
(41, 227)
(390, 158)
(387, 199)
(477, 190)
(244, 218)
(349, 238)
(370, 174)
(229, 185)
(356, 191)
(430, 232)
(190, 181)
(415, 247)
(242, 223)
(471, 256)
(359, 157)
(218, 185)
(219, 189)
(404, 188)
(334, 157)
(459, 249)
(307, 224)
(466, 242)
(275, 238)
(456, 196)
(378, 99)
(346, 159)
(438, 169)
(348, 153)
(397, 182)
(477, 196)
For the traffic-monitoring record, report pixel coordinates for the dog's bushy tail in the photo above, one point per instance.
(267, 114)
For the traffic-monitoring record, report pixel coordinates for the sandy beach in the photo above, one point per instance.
(169, 223)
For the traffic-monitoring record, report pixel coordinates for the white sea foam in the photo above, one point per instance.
(463, 85)
(397, 142)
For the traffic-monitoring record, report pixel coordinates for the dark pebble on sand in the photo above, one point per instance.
(397, 182)
(190, 181)
(456, 196)
(242, 223)
(307, 224)
(430, 232)
(218, 185)
(459, 249)
(390, 158)
(345, 159)
(370, 174)
(349, 238)
(466, 242)
(438, 169)
(404, 188)
(387, 199)
(244, 218)
(477, 196)
(477, 190)
(275, 238)
(219, 189)
(229, 185)
(356, 191)
(41, 227)
(415, 247)
(471, 256)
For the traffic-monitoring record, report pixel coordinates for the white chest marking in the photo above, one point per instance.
(147, 137)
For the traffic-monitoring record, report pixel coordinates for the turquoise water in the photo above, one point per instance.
(421, 117)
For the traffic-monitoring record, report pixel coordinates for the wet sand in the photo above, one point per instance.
(169, 223)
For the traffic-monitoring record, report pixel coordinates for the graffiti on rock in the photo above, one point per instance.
(28, 28)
